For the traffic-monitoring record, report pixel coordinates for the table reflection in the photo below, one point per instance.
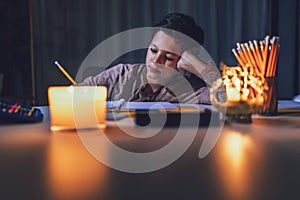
(71, 171)
(234, 154)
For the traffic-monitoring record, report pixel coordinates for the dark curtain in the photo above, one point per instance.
(67, 30)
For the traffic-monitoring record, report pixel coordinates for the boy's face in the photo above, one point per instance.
(162, 57)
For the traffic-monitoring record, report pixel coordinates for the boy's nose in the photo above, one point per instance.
(159, 58)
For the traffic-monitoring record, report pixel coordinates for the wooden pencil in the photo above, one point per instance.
(241, 53)
(253, 53)
(274, 63)
(257, 52)
(65, 73)
(265, 53)
(270, 58)
(241, 62)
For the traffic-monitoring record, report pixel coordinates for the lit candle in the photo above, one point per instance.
(233, 92)
(245, 94)
(241, 84)
(77, 107)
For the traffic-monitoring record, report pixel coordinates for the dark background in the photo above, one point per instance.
(35, 33)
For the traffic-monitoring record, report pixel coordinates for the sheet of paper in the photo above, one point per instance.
(288, 106)
(158, 105)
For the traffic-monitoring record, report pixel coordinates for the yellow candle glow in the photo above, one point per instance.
(77, 107)
(233, 94)
(233, 90)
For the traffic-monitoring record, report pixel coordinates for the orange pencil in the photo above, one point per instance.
(65, 73)
(274, 64)
(265, 53)
(262, 57)
(246, 54)
(241, 53)
(257, 52)
(271, 58)
(251, 56)
(252, 51)
(238, 58)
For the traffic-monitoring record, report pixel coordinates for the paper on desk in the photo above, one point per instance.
(161, 105)
(288, 106)
(148, 105)
(140, 105)
(115, 104)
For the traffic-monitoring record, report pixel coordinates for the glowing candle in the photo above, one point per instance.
(233, 92)
(77, 107)
(245, 94)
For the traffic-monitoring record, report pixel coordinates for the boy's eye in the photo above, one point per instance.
(153, 50)
(169, 59)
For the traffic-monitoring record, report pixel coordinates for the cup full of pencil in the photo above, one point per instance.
(262, 58)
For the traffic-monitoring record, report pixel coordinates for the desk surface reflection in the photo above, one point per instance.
(249, 161)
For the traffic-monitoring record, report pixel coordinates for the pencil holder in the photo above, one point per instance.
(269, 107)
(261, 58)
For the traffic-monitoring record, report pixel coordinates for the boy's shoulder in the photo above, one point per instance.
(126, 68)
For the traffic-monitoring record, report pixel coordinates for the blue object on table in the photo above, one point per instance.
(13, 112)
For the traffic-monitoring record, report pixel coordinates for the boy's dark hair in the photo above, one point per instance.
(183, 24)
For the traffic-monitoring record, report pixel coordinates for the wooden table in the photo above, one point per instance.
(249, 162)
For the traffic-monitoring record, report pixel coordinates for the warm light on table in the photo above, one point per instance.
(74, 107)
